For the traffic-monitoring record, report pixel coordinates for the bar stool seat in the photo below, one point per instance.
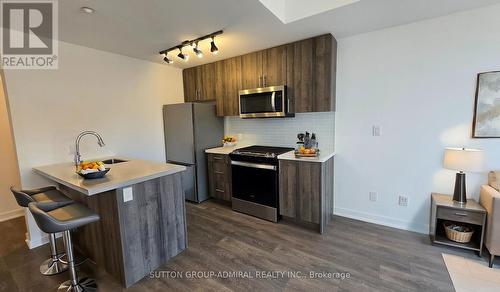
(66, 217)
(53, 219)
(50, 196)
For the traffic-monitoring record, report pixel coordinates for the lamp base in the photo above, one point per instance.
(459, 195)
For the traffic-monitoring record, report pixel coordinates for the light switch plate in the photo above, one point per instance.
(128, 194)
(373, 196)
(403, 201)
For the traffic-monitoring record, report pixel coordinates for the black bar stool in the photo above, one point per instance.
(51, 218)
(48, 195)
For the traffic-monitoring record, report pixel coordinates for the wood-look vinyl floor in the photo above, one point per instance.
(220, 240)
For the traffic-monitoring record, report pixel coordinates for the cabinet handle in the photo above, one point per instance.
(264, 81)
(219, 172)
(219, 190)
(217, 158)
(461, 214)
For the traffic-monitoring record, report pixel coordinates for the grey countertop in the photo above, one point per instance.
(120, 175)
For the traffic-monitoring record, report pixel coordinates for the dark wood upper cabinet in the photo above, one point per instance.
(311, 74)
(199, 83)
(325, 73)
(274, 66)
(227, 84)
(207, 86)
(190, 84)
(251, 70)
(307, 67)
(300, 76)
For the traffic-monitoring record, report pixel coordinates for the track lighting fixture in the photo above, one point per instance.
(194, 45)
(213, 47)
(197, 51)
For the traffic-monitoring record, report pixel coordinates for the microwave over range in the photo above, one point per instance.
(267, 102)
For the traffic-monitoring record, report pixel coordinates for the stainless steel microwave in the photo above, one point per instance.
(267, 102)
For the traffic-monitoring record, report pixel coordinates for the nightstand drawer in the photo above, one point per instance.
(460, 215)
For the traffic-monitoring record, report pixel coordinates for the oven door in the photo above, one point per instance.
(255, 182)
(263, 102)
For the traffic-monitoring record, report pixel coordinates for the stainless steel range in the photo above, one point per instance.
(255, 181)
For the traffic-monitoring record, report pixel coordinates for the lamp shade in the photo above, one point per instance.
(462, 159)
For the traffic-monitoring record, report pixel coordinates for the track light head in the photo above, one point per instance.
(213, 47)
(167, 60)
(197, 51)
(184, 57)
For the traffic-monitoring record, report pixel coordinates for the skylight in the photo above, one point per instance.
(292, 10)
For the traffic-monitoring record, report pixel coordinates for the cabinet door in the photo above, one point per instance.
(274, 66)
(325, 73)
(288, 180)
(228, 83)
(251, 68)
(220, 87)
(189, 76)
(206, 89)
(300, 76)
(309, 192)
(219, 176)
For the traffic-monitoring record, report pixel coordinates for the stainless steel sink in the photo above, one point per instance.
(113, 161)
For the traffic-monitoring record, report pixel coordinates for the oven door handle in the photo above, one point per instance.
(254, 165)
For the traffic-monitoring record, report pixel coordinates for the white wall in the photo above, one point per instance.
(9, 171)
(119, 97)
(417, 82)
(283, 132)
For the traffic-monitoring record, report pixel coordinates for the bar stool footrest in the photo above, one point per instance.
(52, 267)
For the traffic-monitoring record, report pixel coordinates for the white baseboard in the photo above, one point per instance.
(11, 214)
(382, 220)
(36, 242)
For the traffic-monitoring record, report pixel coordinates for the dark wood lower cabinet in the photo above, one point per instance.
(219, 176)
(306, 192)
(135, 237)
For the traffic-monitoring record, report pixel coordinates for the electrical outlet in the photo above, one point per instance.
(376, 131)
(373, 196)
(128, 195)
(403, 201)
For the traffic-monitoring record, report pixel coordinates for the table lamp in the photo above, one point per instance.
(463, 160)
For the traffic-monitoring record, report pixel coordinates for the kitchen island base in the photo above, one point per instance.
(135, 237)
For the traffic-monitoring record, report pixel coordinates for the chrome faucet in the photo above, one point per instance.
(77, 144)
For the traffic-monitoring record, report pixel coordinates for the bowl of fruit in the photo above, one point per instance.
(92, 169)
(229, 141)
(306, 152)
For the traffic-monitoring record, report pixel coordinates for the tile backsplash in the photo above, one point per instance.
(283, 132)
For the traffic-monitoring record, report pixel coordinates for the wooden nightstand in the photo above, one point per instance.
(443, 208)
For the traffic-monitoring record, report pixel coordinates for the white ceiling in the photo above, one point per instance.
(141, 28)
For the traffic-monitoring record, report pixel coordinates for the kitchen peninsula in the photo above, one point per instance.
(142, 211)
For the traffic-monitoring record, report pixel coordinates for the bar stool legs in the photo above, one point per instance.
(75, 284)
(53, 265)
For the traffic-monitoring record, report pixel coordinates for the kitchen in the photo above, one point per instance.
(166, 152)
(278, 75)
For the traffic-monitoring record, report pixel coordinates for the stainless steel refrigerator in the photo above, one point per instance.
(190, 128)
